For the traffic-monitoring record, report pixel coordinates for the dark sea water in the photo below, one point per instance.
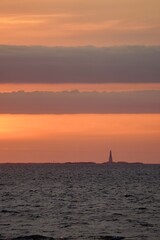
(79, 201)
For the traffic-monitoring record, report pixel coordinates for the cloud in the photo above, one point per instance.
(86, 22)
(12, 20)
(74, 102)
(132, 64)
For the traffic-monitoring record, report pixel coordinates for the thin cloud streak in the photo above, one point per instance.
(127, 64)
(75, 102)
(32, 19)
(65, 23)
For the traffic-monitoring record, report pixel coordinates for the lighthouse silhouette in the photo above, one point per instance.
(110, 157)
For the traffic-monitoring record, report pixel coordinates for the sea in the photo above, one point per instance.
(79, 201)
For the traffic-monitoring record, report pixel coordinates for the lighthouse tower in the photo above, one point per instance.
(110, 157)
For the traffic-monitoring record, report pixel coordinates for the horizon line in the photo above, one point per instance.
(96, 163)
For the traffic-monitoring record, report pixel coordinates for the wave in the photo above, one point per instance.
(32, 237)
(40, 237)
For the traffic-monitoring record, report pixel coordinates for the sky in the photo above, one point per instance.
(78, 78)
(79, 22)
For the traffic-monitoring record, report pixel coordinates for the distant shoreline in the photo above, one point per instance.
(124, 163)
(79, 163)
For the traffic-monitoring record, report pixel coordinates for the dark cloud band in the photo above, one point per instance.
(132, 64)
(75, 102)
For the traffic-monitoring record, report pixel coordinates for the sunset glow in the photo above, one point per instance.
(78, 78)
(68, 135)
(81, 87)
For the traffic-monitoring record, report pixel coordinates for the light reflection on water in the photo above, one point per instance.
(81, 201)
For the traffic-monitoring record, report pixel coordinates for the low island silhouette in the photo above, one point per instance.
(111, 162)
(108, 162)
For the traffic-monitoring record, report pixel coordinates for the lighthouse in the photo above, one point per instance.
(110, 157)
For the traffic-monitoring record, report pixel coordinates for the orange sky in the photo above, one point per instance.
(85, 137)
(82, 87)
(79, 137)
(80, 22)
